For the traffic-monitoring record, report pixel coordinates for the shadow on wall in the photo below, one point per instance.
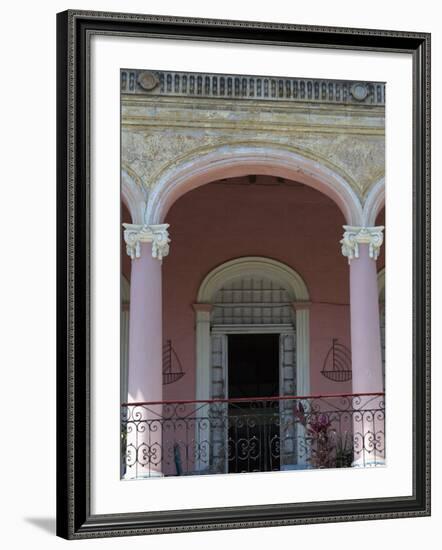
(45, 524)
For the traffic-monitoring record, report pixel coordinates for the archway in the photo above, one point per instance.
(250, 296)
(133, 196)
(235, 160)
(253, 265)
(226, 162)
(296, 299)
(374, 203)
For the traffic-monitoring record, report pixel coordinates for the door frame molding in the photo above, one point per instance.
(224, 331)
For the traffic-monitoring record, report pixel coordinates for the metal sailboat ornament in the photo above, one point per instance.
(337, 363)
(172, 368)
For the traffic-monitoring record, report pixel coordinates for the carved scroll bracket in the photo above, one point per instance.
(354, 236)
(157, 234)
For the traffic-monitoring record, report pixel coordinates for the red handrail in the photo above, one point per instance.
(246, 399)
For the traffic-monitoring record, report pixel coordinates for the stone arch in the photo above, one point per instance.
(256, 265)
(236, 160)
(374, 202)
(133, 196)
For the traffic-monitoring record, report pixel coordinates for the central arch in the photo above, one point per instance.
(249, 266)
(290, 323)
(235, 160)
(253, 265)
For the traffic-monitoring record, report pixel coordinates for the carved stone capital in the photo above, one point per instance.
(158, 235)
(354, 236)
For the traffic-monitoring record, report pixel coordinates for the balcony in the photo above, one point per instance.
(252, 435)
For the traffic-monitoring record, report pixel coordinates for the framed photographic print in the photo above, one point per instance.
(243, 274)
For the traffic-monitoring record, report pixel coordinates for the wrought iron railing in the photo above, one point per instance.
(252, 435)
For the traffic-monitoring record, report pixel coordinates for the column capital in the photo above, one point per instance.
(356, 235)
(157, 234)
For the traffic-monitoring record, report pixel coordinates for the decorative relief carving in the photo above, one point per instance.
(158, 235)
(147, 80)
(354, 236)
(171, 83)
(360, 159)
(359, 91)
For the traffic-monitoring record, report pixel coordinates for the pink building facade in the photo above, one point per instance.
(241, 242)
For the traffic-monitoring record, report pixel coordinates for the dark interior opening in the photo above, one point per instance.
(253, 361)
(253, 426)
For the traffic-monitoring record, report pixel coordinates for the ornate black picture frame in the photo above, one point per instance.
(74, 32)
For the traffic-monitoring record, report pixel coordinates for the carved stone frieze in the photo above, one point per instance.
(273, 88)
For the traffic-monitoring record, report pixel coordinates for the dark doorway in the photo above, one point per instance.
(253, 431)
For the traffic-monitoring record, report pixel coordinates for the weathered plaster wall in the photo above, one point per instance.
(159, 132)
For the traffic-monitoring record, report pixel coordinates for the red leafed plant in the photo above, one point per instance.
(320, 436)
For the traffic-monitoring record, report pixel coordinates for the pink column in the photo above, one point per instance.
(365, 326)
(145, 328)
(361, 246)
(145, 384)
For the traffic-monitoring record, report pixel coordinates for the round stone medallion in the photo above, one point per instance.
(147, 80)
(359, 91)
